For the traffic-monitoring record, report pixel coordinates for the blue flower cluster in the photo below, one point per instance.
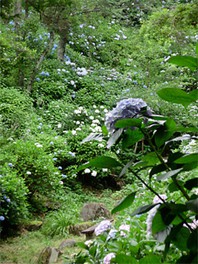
(44, 73)
(127, 108)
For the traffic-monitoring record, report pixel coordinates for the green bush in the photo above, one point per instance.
(29, 161)
(15, 110)
(14, 207)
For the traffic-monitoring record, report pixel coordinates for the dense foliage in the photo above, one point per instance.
(68, 71)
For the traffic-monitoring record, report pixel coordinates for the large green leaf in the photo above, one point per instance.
(101, 162)
(189, 158)
(125, 203)
(128, 122)
(164, 132)
(181, 238)
(131, 137)
(177, 96)
(151, 159)
(124, 259)
(158, 223)
(185, 61)
(143, 209)
(169, 174)
(150, 259)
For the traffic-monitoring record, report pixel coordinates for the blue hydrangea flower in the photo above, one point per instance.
(10, 165)
(127, 108)
(2, 218)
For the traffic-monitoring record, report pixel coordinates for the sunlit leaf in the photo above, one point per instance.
(92, 136)
(177, 96)
(101, 162)
(123, 258)
(185, 61)
(114, 137)
(126, 167)
(189, 158)
(151, 258)
(151, 159)
(125, 203)
(169, 174)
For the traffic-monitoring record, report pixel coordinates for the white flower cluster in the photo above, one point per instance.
(127, 108)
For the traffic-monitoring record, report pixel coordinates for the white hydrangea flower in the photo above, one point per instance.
(94, 173)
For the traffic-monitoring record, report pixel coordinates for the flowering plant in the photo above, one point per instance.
(169, 219)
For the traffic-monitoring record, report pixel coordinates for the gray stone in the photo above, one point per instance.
(78, 228)
(49, 255)
(93, 211)
(67, 243)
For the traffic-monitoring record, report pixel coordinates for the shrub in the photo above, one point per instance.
(29, 161)
(13, 199)
(15, 110)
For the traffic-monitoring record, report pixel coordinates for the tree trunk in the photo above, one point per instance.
(39, 62)
(61, 46)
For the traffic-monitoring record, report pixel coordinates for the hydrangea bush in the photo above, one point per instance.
(170, 218)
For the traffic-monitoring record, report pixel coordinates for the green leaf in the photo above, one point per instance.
(176, 95)
(189, 158)
(158, 223)
(165, 132)
(143, 209)
(172, 187)
(131, 137)
(185, 61)
(156, 169)
(194, 93)
(101, 162)
(104, 130)
(181, 238)
(125, 203)
(192, 240)
(128, 122)
(192, 183)
(150, 259)
(192, 205)
(169, 174)
(151, 159)
(123, 258)
(114, 137)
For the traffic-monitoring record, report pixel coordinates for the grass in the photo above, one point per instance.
(26, 248)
